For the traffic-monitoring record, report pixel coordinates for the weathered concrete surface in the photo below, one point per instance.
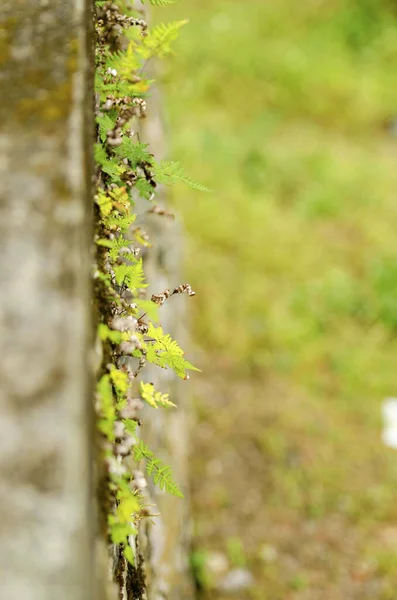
(165, 543)
(45, 323)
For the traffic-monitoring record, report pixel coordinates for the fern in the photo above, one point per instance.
(158, 41)
(162, 473)
(108, 166)
(116, 248)
(119, 222)
(119, 90)
(144, 188)
(164, 351)
(130, 426)
(122, 169)
(105, 123)
(153, 398)
(125, 63)
(162, 2)
(136, 152)
(132, 275)
(149, 308)
(169, 172)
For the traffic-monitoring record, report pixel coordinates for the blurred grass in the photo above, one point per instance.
(284, 109)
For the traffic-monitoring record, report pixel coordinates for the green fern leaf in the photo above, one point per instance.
(117, 246)
(120, 222)
(169, 172)
(153, 398)
(162, 473)
(105, 123)
(119, 90)
(132, 275)
(107, 166)
(162, 2)
(158, 41)
(144, 188)
(149, 308)
(165, 352)
(125, 63)
(130, 426)
(136, 152)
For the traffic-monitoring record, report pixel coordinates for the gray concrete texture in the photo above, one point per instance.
(45, 322)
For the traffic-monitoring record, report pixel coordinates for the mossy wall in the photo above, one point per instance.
(45, 322)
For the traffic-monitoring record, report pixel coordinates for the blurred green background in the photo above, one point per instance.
(285, 109)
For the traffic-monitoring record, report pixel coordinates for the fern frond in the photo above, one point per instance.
(165, 352)
(162, 473)
(149, 308)
(119, 222)
(131, 275)
(169, 172)
(105, 123)
(153, 398)
(136, 152)
(159, 39)
(144, 188)
(125, 63)
(162, 2)
(119, 90)
(130, 426)
(116, 246)
(107, 166)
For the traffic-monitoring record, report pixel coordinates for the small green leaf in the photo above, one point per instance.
(130, 426)
(106, 123)
(105, 242)
(129, 555)
(105, 333)
(120, 380)
(119, 532)
(127, 508)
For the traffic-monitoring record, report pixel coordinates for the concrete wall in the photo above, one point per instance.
(166, 542)
(45, 321)
(47, 520)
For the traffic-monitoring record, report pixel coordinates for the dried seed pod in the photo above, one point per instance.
(160, 298)
(162, 212)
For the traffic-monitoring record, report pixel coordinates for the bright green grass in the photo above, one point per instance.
(280, 108)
